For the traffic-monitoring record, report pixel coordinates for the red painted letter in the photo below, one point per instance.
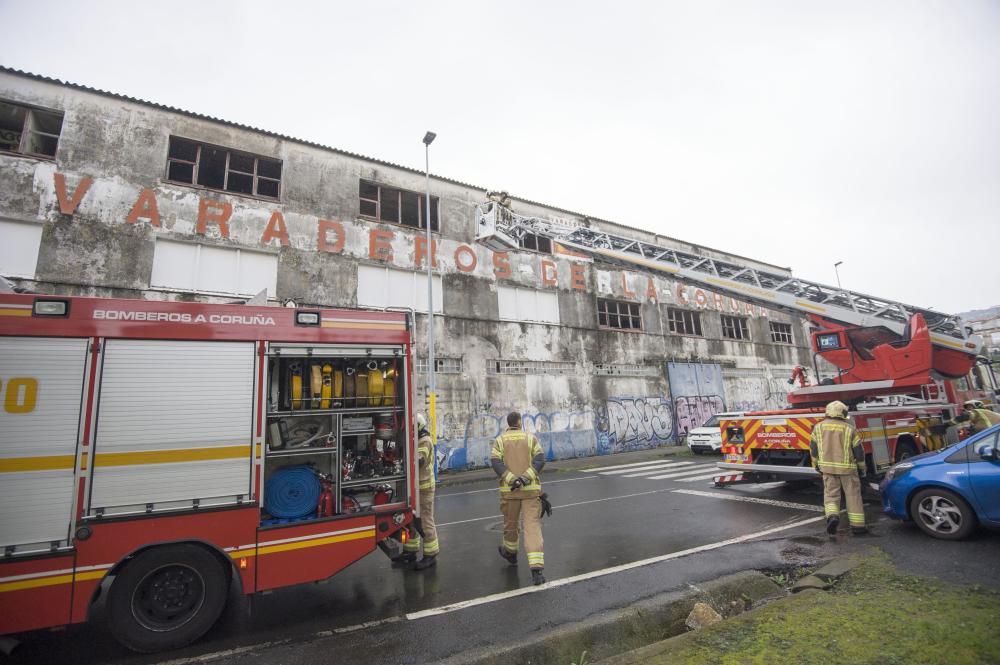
(501, 265)
(420, 251)
(325, 226)
(275, 229)
(549, 276)
(650, 289)
(625, 290)
(576, 277)
(68, 206)
(472, 262)
(219, 215)
(145, 208)
(379, 248)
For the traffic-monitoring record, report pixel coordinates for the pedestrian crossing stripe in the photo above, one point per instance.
(622, 466)
(686, 472)
(706, 477)
(660, 469)
(648, 467)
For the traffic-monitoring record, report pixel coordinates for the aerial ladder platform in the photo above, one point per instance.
(878, 345)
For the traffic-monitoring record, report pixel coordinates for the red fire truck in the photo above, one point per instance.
(158, 452)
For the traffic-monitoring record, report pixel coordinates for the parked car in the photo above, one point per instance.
(708, 437)
(948, 491)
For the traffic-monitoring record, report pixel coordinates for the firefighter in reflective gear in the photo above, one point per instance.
(980, 418)
(429, 540)
(517, 458)
(839, 457)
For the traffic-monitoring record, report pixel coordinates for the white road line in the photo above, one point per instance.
(689, 480)
(494, 489)
(752, 499)
(651, 467)
(622, 466)
(561, 505)
(668, 467)
(606, 571)
(679, 474)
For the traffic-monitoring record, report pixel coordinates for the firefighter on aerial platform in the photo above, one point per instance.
(517, 458)
(423, 535)
(839, 457)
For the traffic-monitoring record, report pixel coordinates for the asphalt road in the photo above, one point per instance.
(634, 526)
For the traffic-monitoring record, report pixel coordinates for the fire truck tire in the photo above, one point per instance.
(942, 514)
(167, 597)
(905, 449)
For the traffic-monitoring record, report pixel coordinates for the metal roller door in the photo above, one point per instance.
(174, 426)
(42, 388)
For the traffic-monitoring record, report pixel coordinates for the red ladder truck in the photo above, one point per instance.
(158, 452)
(903, 370)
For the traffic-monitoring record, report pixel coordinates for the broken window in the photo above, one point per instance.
(684, 322)
(618, 314)
(781, 332)
(536, 243)
(29, 131)
(398, 206)
(735, 327)
(220, 168)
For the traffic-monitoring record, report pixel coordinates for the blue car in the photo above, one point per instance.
(948, 491)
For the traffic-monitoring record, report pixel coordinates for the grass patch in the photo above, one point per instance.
(875, 615)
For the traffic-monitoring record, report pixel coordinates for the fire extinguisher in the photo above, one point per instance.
(324, 506)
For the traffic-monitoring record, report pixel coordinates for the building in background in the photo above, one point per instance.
(107, 195)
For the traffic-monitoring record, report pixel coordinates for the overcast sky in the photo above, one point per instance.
(796, 132)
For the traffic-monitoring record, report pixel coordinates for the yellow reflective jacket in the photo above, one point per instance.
(836, 447)
(980, 419)
(425, 460)
(517, 454)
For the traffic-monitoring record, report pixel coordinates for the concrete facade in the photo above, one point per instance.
(101, 205)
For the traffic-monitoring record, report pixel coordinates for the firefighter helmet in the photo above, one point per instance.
(421, 421)
(970, 404)
(836, 409)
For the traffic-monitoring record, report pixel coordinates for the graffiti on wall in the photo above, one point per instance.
(622, 423)
(698, 393)
(694, 411)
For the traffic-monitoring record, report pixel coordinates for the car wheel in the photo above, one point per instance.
(167, 597)
(942, 514)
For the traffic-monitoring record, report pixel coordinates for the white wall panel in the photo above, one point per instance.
(210, 269)
(19, 248)
(385, 287)
(517, 304)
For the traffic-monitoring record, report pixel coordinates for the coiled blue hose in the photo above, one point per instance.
(292, 492)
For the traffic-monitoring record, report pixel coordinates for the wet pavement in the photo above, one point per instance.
(612, 540)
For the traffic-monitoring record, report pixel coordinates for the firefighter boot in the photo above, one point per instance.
(511, 557)
(859, 531)
(537, 577)
(426, 562)
(405, 557)
(832, 522)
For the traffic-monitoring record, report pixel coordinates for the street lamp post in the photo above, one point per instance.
(837, 272)
(429, 258)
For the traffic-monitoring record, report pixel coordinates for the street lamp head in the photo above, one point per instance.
(429, 138)
(837, 264)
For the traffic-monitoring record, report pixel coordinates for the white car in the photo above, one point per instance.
(708, 437)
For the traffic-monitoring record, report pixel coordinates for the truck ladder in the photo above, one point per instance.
(501, 230)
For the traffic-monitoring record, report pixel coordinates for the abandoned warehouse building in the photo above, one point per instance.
(106, 195)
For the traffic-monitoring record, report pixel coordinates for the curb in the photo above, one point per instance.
(651, 620)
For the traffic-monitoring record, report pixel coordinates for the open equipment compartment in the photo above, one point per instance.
(335, 440)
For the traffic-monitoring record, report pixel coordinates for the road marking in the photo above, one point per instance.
(752, 499)
(647, 467)
(492, 598)
(562, 505)
(646, 472)
(706, 477)
(679, 474)
(622, 466)
(494, 489)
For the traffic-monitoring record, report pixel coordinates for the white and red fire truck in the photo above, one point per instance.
(903, 370)
(158, 452)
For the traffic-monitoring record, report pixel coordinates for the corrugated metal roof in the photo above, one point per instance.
(200, 116)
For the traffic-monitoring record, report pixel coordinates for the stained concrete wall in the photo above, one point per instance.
(97, 203)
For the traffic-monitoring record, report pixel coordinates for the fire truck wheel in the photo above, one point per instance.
(167, 597)
(905, 449)
(942, 514)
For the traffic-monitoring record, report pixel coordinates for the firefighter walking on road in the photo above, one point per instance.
(839, 457)
(517, 458)
(426, 537)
